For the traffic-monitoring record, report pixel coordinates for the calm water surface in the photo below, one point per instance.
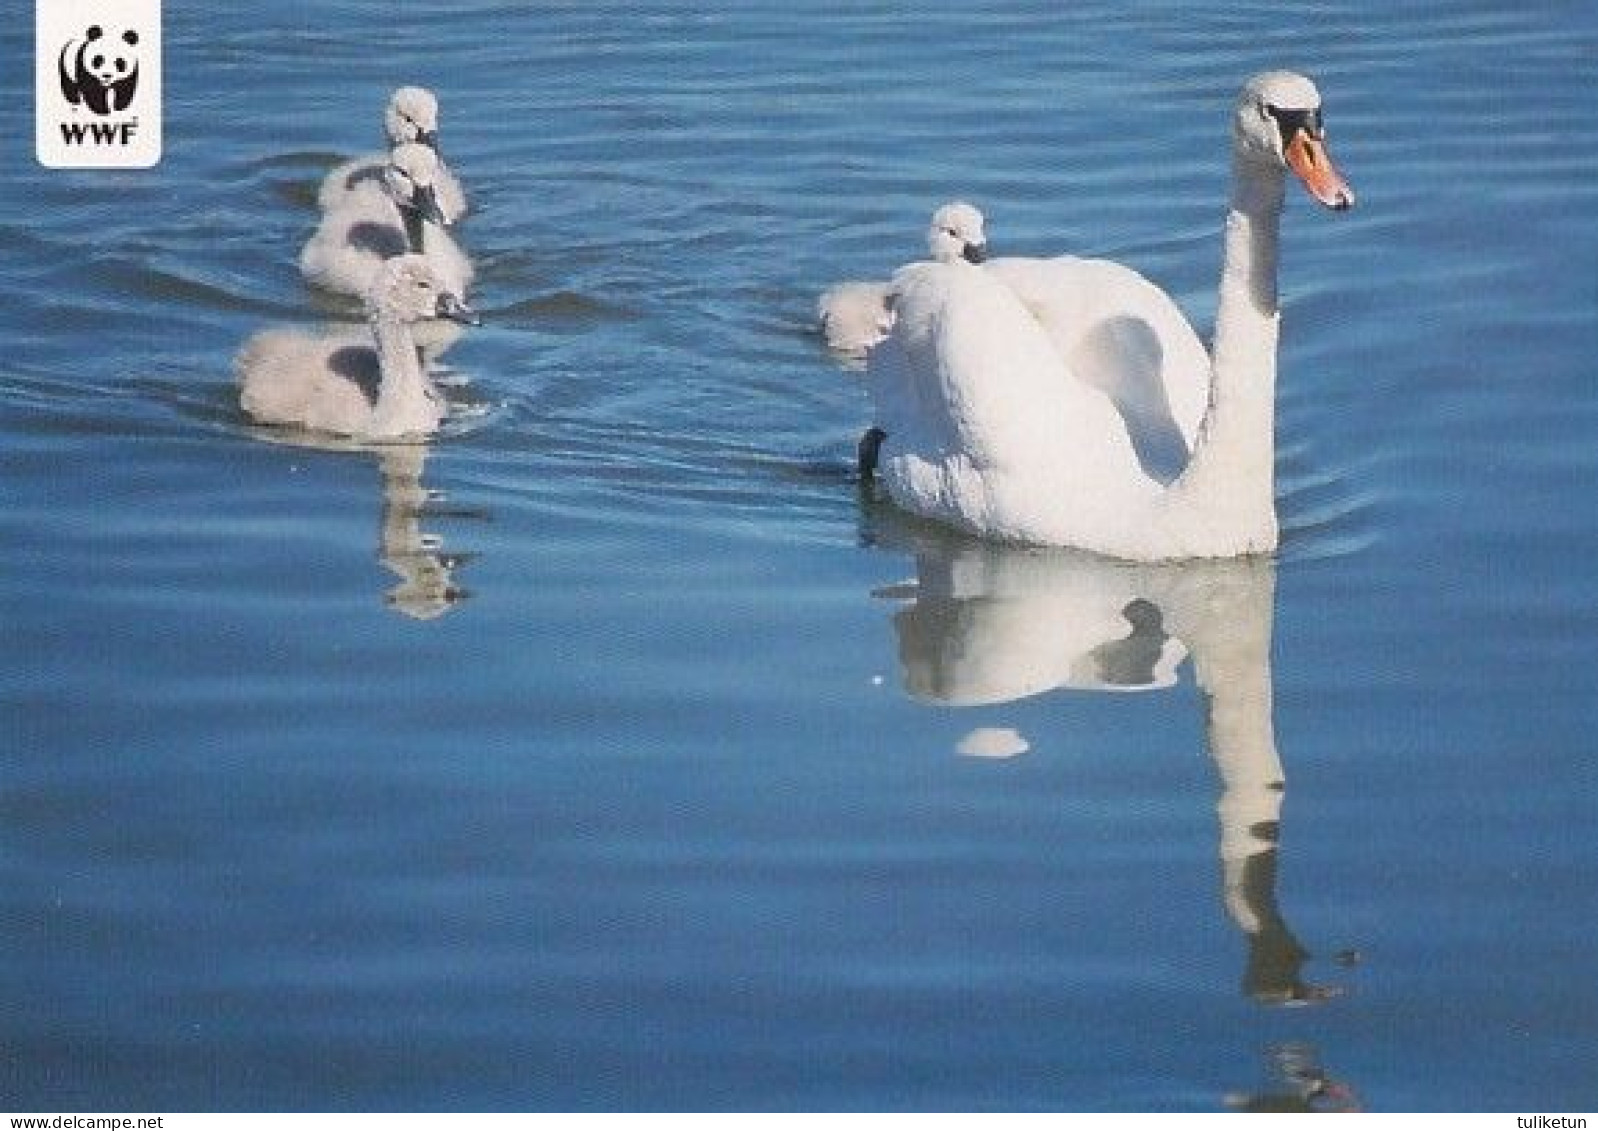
(611, 753)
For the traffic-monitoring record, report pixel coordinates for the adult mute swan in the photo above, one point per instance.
(856, 316)
(410, 117)
(378, 221)
(372, 388)
(983, 423)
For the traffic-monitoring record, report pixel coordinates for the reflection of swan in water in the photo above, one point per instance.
(991, 624)
(427, 586)
(1298, 1084)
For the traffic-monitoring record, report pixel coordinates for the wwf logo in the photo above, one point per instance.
(98, 83)
(100, 72)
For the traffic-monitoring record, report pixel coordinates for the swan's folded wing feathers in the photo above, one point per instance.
(348, 177)
(1121, 334)
(325, 382)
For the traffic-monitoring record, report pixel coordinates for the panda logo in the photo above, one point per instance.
(99, 72)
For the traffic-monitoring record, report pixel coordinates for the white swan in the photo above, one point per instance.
(983, 423)
(411, 116)
(856, 316)
(380, 220)
(368, 387)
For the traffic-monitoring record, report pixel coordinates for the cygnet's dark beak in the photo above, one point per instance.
(451, 307)
(428, 138)
(975, 253)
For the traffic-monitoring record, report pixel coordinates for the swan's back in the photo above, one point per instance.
(368, 228)
(353, 241)
(1123, 335)
(978, 408)
(358, 173)
(349, 177)
(324, 382)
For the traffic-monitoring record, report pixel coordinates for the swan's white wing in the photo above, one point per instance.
(1123, 335)
(350, 177)
(352, 241)
(986, 427)
(326, 382)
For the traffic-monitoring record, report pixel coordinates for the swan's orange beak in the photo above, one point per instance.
(1307, 156)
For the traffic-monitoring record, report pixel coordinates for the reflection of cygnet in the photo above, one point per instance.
(371, 388)
(379, 221)
(856, 316)
(411, 117)
(426, 588)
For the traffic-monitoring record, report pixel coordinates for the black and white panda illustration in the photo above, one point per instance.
(100, 72)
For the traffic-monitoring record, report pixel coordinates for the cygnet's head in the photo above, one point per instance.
(410, 177)
(412, 115)
(956, 234)
(1278, 122)
(408, 290)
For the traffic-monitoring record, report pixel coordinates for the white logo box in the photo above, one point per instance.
(97, 83)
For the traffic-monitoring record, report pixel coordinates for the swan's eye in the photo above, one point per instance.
(1289, 122)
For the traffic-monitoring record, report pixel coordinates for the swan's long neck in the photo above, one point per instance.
(415, 229)
(1227, 492)
(406, 399)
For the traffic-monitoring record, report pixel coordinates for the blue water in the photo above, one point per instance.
(612, 753)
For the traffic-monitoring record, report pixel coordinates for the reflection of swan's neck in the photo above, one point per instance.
(1230, 641)
(1228, 487)
(1234, 671)
(405, 396)
(426, 589)
(1226, 625)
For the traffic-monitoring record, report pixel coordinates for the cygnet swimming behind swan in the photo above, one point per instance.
(370, 387)
(856, 316)
(378, 221)
(410, 118)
